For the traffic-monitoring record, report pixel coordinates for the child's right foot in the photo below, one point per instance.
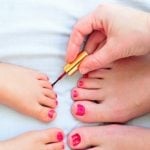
(51, 139)
(27, 91)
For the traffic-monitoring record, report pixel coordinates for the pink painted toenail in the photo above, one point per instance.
(74, 93)
(51, 113)
(80, 83)
(60, 136)
(80, 110)
(63, 147)
(56, 102)
(76, 139)
(85, 76)
(56, 95)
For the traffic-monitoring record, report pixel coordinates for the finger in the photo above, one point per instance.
(94, 40)
(83, 27)
(100, 58)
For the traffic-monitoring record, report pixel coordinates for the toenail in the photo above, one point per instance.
(56, 95)
(85, 76)
(76, 139)
(56, 102)
(80, 83)
(63, 147)
(60, 136)
(51, 113)
(74, 93)
(80, 110)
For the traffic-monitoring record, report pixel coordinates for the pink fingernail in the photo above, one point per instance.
(76, 139)
(60, 136)
(80, 110)
(80, 83)
(74, 93)
(51, 113)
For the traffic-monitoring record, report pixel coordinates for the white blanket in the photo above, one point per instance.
(34, 33)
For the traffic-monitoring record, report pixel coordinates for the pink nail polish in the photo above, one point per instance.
(85, 76)
(56, 102)
(56, 95)
(51, 113)
(74, 93)
(63, 147)
(80, 110)
(60, 136)
(76, 139)
(80, 83)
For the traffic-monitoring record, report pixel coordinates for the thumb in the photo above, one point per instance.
(100, 58)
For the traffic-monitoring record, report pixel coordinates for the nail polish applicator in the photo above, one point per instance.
(71, 68)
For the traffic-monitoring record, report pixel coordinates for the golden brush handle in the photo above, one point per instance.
(73, 67)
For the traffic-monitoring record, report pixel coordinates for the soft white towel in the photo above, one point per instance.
(34, 33)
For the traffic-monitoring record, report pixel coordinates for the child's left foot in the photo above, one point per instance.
(117, 94)
(50, 139)
(110, 137)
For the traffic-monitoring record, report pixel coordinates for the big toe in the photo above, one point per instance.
(81, 139)
(53, 135)
(44, 114)
(87, 111)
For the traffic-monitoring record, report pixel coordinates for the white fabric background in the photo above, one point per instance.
(34, 33)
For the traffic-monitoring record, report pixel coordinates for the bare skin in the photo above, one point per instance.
(111, 36)
(121, 92)
(27, 91)
(111, 137)
(50, 139)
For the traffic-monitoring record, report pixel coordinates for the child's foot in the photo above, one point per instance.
(27, 91)
(111, 137)
(51, 139)
(117, 94)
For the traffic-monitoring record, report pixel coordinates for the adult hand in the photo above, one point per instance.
(114, 32)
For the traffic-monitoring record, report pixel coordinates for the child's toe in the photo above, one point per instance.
(45, 114)
(41, 76)
(48, 102)
(55, 146)
(45, 84)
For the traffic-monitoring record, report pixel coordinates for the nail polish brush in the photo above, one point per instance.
(71, 68)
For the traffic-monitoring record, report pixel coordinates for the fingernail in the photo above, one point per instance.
(60, 136)
(80, 83)
(74, 93)
(51, 113)
(76, 139)
(80, 110)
